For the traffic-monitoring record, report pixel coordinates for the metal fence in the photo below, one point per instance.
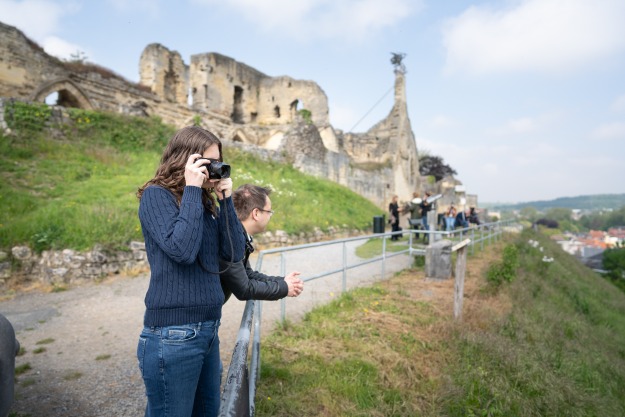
(240, 385)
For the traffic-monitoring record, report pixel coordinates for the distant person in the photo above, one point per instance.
(253, 208)
(414, 207)
(393, 209)
(185, 234)
(450, 218)
(473, 216)
(426, 206)
(9, 347)
(462, 218)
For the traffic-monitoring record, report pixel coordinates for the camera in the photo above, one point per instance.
(216, 170)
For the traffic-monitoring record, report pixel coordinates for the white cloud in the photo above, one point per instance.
(516, 126)
(63, 49)
(619, 104)
(314, 19)
(39, 20)
(36, 18)
(534, 35)
(610, 131)
(149, 7)
(442, 121)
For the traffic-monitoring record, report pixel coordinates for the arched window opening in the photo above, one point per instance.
(190, 93)
(293, 107)
(52, 99)
(237, 109)
(276, 112)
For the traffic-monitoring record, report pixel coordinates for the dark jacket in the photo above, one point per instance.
(246, 284)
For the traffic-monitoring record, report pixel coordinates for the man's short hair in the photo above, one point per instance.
(248, 197)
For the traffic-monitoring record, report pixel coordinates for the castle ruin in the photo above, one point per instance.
(236, 102)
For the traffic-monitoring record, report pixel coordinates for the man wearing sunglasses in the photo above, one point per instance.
(253, 207)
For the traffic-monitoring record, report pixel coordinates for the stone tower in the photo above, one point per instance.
(390, 144)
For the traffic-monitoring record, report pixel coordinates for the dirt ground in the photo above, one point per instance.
(80, 344)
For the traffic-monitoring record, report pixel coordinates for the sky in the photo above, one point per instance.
(525, 99)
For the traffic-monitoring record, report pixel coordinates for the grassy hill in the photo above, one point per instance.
(549, 340)
(73, 185)
(582, 202)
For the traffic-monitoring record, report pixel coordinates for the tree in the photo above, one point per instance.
(435, 166)
(614, 263)
(559, 214)
(78, 56)
(529, 212)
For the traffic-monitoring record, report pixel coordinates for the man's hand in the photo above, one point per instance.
(296, 285)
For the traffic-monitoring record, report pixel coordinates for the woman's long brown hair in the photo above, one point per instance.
(170, 173)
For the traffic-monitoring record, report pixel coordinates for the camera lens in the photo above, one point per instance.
(218, 170)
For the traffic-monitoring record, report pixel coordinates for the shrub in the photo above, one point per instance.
(504, 271)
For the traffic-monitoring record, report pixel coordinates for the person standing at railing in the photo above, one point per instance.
(253, 207)
(393, 210)
(473, 216)
(461, 218)
(416, 219)
(450, 218)
(426, 206)
(185, 236)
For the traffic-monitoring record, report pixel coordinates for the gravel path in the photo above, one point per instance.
(81, 344)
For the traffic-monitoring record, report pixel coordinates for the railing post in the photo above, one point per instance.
(282, 301)
(383, 256)
(344, 267)
(482, 237)
(461, 261)
(472, 240)
(235, 401)
(255, 361)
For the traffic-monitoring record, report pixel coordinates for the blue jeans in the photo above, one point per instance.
(450, 222)
(180, 366)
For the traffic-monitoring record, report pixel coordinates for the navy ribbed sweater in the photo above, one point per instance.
(181, 289)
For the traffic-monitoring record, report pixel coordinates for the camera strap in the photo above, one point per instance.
(225, 213)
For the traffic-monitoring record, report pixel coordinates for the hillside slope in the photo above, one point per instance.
(551, 342)
(73, 185)
(582, 202)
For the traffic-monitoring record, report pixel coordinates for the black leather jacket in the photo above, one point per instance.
(246, 284)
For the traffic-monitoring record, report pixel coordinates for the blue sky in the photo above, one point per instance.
(524, 98)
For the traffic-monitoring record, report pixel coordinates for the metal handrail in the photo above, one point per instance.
(240, 389)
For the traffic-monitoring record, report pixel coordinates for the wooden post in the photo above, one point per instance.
(461, 262)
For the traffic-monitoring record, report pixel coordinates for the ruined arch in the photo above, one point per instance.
(70, 94)
(240, 136)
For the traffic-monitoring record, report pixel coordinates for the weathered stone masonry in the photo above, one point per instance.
(235, 101)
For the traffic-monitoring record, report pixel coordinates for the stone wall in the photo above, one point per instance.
(68, 267)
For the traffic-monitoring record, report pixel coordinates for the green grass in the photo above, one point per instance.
(560, 350)
(550, 341)
(21, 369)
(373, 247)
(73, 186)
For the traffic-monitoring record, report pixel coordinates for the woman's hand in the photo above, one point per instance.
(296, 285)
(194, 172)
(223, 188)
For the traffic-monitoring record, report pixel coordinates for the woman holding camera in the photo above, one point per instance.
(185, 236)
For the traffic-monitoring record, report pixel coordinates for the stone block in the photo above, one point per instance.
(438, 260)
(21, 252)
